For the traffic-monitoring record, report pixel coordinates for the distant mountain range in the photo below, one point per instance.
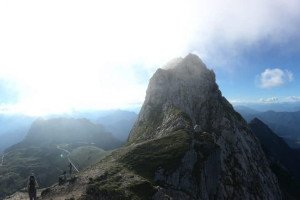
(30, 144)
(274, 106)
(13, 129)
(68, 130)
(245, 111)
(289, 157)
(119, 123)
(284, 161)
(47, 148)
(284, 124)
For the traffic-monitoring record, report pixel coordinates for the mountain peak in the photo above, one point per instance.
(187, 67)
(257, 121)
(186, 85)
(184, 101)
(193, 58)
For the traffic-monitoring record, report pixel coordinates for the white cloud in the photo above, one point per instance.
(261, 100)
(265, 100)
(226, 27)
(242, 101)
(235, 101)
(273, 78)
(269, 100)
(293, 98)
(70, 54)
(289, 75)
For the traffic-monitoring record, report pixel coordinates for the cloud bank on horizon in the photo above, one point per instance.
(56, 56)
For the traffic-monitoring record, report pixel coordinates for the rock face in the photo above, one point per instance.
(223, 159)
(277, 147)
(284, 161)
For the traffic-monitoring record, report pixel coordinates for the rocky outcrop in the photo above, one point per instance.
(224, 159)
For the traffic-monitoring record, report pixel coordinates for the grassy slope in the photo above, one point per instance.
(129, 172)
(85, 156)
(165, 152)
(45, 162)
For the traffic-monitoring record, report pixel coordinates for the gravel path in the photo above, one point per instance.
(68, 156)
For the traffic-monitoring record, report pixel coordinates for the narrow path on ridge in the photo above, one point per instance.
(68, 156)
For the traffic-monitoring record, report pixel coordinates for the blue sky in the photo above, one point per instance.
(243, 83)
(61, 56)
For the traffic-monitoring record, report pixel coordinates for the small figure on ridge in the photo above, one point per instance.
(70, 169)
(32, 185)
(62, 178)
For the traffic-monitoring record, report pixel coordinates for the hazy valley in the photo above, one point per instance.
(48, 145)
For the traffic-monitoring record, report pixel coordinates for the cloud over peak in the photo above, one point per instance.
(273, 78)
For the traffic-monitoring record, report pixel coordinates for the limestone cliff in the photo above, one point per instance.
(224, 159)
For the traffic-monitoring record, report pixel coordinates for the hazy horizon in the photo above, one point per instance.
(60, 56)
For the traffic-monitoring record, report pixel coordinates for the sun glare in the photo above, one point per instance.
(80, 55)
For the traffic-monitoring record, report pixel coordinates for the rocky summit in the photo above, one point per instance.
(187, 143)
(224, 160)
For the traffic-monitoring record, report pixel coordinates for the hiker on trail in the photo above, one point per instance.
(70, 169)
(62, 178)
(32, 185)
